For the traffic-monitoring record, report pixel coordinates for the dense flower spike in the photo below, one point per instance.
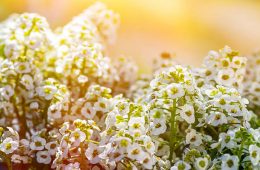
(64, 105)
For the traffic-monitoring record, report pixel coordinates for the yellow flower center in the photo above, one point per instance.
(8, 146)
(135, 152)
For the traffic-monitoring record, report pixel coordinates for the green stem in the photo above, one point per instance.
(173, 130)
(164, 109)
(92, 141)
(213, 130)
(241, 149)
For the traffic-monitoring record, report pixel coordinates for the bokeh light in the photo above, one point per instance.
(187, 28)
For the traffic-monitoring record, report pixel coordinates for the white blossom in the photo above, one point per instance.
(216, 118)
(193, 137)
(37, 143)
(9, 145)
(187, 113)
(229, 162)
(201, 163)
(181, 165)
(254, 151)
(92, 153)
(43, 157)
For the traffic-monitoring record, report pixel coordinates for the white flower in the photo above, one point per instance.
(224, 63)
(34, 40)
(43, 157)
(223, 101)
(46, 91)
(235, 121)
(201, 163)
(181, 165)
(27, 81)
(52, 147)
(116, 155)
(226, 141)
(175, 91)
(102, 105)
(229, 162)
(88, 111)
(148, 143)
(20, 159)
(34, 105)
(136, 133)
(255, 133)
(226, 77)
(72, 166)
(187, 113)
(9, 145)
(123, 143)
(158, 126)
(135, 152)
(209, 74)
(37, 143)
(155, 82)
(54, 111)
(234, 110)
(255, 88)
(254, 151)
(193, 137)
(148, 161)
(216, 118)
(238, 62)
(64, 128)
(111, 119)
(22, 67)
(64, 146)
(112, 153)
(136, 123)
(82, 79)
(92, 153)
(12, 48)
(77, 136)
(7, 92)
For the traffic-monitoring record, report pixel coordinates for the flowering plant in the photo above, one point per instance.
(65, 105)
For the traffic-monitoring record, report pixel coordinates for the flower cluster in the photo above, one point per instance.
(95, 105)
(65, 105)
(252, 81)
(141, 86)
(128, 129)
(77, 145)
(225, 68)
(79, 58)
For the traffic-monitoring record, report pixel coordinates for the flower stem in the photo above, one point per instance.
(241, 150)
(213, 130)
(45, 113)
(173, 130)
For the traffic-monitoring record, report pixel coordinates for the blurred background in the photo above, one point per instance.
(187, 28)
